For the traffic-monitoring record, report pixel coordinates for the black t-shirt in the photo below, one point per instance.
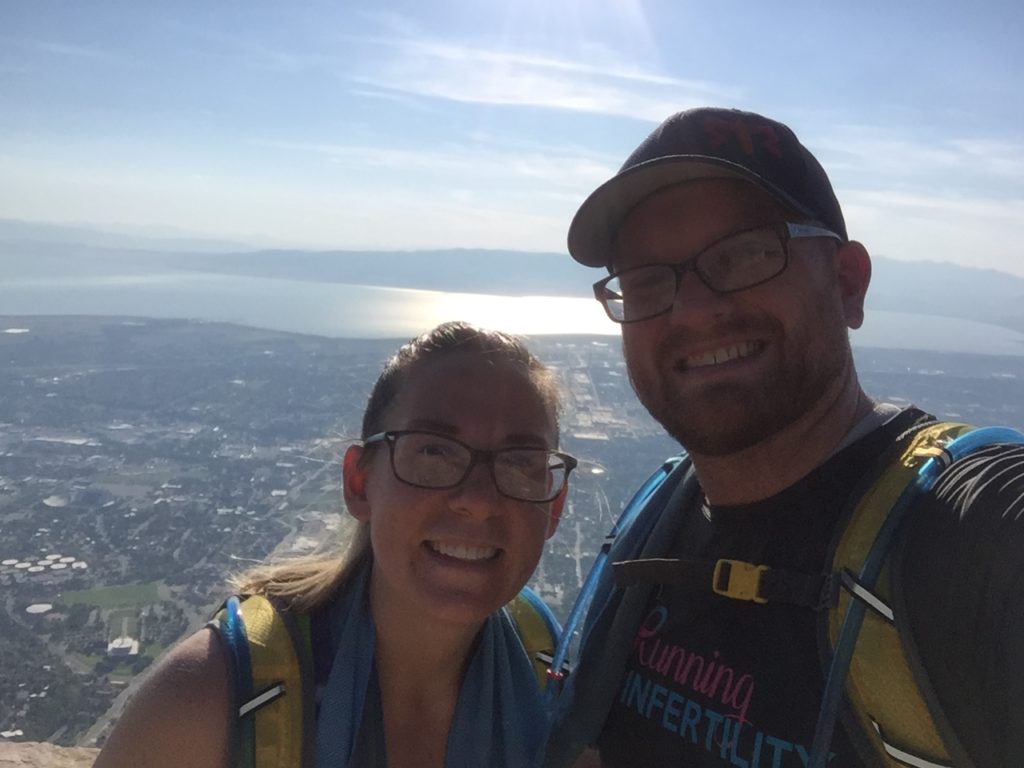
(713, 681)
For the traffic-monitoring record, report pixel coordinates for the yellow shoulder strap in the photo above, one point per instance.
(277, 702)
(880, 684)
(536, 634)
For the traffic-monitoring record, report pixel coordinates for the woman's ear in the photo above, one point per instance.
(555, 511)
(353, 475)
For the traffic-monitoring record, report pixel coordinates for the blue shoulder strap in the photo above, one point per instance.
(579, 708)
(232, 629)
(560, 665)
(543, 611)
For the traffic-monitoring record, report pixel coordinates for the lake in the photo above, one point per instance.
(358, 311)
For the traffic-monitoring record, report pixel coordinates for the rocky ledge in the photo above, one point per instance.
(30, 754)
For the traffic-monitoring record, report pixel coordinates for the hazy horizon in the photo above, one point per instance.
(57, 270)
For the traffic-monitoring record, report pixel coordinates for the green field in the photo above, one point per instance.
(121, 596)
(122, 622)
(154, 650)
(121, 674)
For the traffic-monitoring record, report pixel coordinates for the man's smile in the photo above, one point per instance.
(721, 355)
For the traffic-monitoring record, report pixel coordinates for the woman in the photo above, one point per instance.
(456, 486)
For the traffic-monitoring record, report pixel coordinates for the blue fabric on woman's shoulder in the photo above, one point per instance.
(344, 697)
(499, 718)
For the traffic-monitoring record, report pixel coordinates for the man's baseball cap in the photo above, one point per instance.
(706, 143)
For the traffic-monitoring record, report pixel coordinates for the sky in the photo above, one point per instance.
(479, 124)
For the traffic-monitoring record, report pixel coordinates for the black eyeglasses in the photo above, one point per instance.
(428, 460)
(734, 263)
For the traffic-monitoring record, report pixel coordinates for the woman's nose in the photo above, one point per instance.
(477, 494)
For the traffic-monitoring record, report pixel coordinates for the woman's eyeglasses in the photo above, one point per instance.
(429, 460)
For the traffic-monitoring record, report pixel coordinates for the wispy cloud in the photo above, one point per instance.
(1000, 158)
(393, 24)
(416, 212)
(865, 151)
(942, 227)
(250, 51)
(487, 76)
(943, 205)
(72, 51)
(550, 168)
(406, 100)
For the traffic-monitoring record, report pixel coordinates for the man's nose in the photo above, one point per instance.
(694, 299)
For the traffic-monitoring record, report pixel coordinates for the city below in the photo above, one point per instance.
(144, 461)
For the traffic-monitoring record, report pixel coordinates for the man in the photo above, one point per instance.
(735, 282)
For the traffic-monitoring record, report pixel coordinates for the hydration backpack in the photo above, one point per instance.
(870, 654)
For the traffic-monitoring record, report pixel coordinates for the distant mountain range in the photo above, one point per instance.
(31, 251)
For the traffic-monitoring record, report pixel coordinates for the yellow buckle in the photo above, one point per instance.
(738, 580)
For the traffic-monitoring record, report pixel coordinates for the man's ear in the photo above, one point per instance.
(555, 511)
(853, 270)
(353, 475)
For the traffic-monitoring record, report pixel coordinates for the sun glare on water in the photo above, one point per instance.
(529, 315)
(416, 311)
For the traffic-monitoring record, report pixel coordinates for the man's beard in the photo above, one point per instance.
(728, 417)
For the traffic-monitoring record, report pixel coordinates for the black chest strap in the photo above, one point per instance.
(735, 579)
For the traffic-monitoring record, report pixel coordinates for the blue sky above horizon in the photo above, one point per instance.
(484, 124)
